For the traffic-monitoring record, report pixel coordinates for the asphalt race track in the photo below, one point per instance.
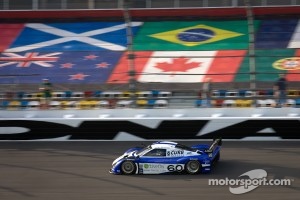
(79, 171)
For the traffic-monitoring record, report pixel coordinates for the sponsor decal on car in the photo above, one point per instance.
(153, 168)
(175, 153)
(175, 168)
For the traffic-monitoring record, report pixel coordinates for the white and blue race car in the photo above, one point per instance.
(168, 157)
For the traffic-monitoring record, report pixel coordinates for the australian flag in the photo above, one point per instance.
(63, 52)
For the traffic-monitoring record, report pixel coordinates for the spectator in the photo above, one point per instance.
(46, 89)
(280, 90)
(206, 92)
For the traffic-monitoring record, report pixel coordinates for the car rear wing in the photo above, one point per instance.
(217, 142)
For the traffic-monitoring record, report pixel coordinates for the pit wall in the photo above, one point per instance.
(151, 124)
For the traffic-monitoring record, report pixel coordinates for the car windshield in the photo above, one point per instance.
(181, 146)
(143, 150)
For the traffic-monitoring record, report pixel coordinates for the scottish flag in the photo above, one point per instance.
(92, 36)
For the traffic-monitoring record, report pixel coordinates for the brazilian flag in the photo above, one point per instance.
(268, 63)
(192, 35)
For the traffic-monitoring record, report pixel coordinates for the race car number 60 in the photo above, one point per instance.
(173, 168)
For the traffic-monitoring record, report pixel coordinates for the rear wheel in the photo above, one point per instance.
(193, 167)
(128, 167)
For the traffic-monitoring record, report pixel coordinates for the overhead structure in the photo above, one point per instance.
(130, 52)
(251, 48)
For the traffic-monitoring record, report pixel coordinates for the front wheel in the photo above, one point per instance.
(128, 167)
(193, 167)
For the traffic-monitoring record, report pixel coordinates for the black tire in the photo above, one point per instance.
(193, 167)
(128, 167)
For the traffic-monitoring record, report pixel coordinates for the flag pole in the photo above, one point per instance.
(130, 52)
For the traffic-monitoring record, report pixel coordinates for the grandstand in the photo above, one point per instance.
(91, 50)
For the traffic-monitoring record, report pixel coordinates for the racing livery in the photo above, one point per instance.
(168, 157)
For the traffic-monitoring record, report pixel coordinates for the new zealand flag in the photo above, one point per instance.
(59, 67)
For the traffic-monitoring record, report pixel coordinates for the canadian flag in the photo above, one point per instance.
(179, 66)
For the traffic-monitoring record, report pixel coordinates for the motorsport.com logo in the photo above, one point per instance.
(257, 177)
